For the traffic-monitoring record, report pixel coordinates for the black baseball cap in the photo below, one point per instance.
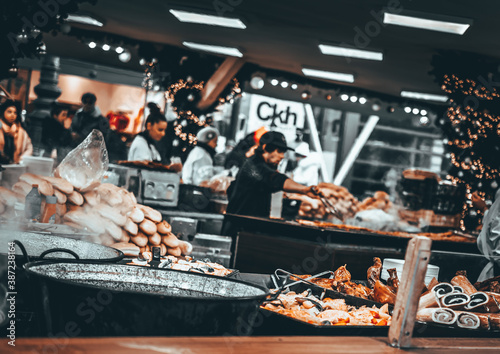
(274, 138)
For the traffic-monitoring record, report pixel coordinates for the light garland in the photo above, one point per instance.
(181, 114)
(469, 127)
(188, 115)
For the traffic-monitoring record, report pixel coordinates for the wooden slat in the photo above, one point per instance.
(5, 93)
(219, 80)
(409, 291)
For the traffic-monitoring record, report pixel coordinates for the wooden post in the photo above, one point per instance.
(409, 291)
(219, 80)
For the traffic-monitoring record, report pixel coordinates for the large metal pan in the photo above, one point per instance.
(104, 299)
(32, 246)
(50, 246)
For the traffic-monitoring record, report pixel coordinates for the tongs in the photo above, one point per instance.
(330, 208)
(285, 275)
(462, 234)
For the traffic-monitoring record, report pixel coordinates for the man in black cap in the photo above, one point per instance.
(250, 193)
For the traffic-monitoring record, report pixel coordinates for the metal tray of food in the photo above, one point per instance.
(190, 264)
(273, 323)
(292, 279)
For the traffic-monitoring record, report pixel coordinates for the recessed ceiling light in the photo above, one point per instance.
(274, 82)
(423, 112)
(426, 21)
(305, 95)
(328, 75)
(294, 86)
(344, 97)
(106, 47)
(203, 19)
(92, 45)
(415, 110)
(424, 96)
(257, 82)
(84, 19)
(362, 100)
(234, 52)
(125, 56)
(408, 109)
(424, 121)
(350, 52)
(119, 50)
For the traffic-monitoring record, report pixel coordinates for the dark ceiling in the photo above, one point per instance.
(284, 35)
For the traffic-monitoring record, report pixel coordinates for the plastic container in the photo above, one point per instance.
(389, 263)
(41, 166)
(290, 208)
(49, 215)
(11, 173)
(33, 204)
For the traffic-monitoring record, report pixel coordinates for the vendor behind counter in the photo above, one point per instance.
(143, 147)
(251, 192)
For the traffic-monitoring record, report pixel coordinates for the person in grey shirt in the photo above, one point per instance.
(200, 161)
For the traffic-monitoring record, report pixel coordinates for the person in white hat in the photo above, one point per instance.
(199, 163)
(308, 165)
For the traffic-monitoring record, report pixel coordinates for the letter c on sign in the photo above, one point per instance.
(260, 113)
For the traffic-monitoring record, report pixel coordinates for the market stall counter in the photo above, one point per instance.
(263, 245)
(228, 344)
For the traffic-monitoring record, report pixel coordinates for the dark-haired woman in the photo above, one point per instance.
(143, 147)
(14, 140)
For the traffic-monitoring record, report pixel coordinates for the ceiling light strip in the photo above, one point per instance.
(192, 17)
(84, 19)
(350, 52)
(425, 23)
(424, 96)
(328, 75)
(234, 52)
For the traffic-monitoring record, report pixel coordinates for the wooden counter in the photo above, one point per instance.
(250, 345)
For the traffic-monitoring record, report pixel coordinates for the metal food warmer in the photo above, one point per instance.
(156, 187)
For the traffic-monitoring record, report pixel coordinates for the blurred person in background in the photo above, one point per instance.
(308, 165)
(488, 240)
(244, 149)
(56, 138)
(144, 147)
(220, 158)
(87, 118)
(200, 161)
(14, 140)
